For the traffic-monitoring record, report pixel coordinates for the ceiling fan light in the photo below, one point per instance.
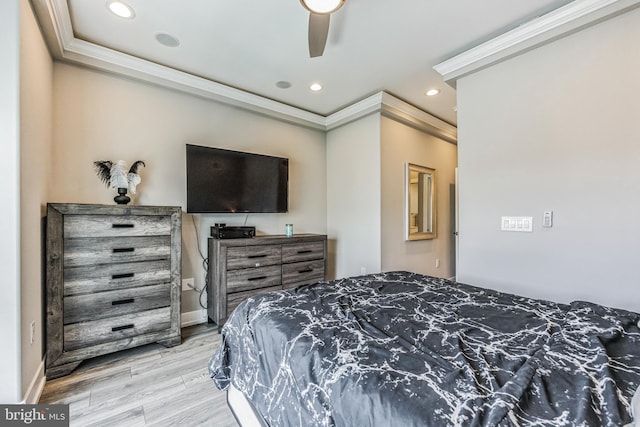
(322, 7)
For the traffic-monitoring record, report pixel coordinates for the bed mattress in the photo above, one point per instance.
(405, 349)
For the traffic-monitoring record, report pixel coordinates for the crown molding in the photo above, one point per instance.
(396, 109)
(57, 29)
(58, 32)
(403, 112)
(561, 22)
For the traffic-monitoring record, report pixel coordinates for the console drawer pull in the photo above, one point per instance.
(122, 276)
(123, 301)
(256, 278)
(121, 250)
(306, 251)
(122, 328)
(256, 256)
(122, 225)
(306, 270)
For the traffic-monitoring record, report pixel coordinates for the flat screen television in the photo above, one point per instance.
(221, 180)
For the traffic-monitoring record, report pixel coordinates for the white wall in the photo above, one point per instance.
(36, 78)
(402, 144)
(555, 129)
(353, 197)
(10, 392)
(103, 117)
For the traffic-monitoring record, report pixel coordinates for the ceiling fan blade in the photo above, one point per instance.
(318, 32)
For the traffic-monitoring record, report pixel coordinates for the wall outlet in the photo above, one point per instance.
(33, 331)
(363, 270)
(188, 284)
(437, 263)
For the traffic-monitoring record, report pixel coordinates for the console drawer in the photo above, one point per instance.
(253, 256)
(233, 300)
(85, 334)
(253, 278)
(302, 273)
(297, 252)
(107, 277)
(101, 305)
(116, 225)
(108, 250)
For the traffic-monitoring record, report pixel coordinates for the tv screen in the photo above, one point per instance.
(232, 181)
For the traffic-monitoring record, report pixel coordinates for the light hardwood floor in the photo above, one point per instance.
(150, 385)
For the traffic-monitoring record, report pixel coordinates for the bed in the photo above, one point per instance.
(404, 349)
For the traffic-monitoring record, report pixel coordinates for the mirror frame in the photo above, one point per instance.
(419, 235)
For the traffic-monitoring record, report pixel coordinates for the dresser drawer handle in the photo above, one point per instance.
(121, 250)
(122, 328)
(122, 225)
(256, 256)
(251, 279)
(122, 276)
(123, 301)
(305, 270)
(306, 251)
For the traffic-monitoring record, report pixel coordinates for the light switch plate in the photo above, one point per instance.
(517, 223)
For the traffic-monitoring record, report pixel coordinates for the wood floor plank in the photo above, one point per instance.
(159, 410)
(203, 414)
(130, 418)
(65, 387)
(149, 385)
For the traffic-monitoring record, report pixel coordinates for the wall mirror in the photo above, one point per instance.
(420, 202)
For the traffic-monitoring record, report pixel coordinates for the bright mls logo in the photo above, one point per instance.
(34, 415)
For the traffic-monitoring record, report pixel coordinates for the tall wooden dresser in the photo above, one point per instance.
(240, 268)
(113, 280)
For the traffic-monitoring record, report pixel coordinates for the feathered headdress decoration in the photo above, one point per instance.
(114, 176)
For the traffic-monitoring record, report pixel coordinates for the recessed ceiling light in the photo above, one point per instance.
(121, 9)
(283, 84)
(167, 40)
(433, 92)
(315, 87)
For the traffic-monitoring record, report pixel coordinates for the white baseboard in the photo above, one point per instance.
(194, 317)
(32, 396)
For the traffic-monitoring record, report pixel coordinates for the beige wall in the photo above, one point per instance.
(103, 117)
(365, 197)
(402, 144)
(353, 197)
(555, 129)
(35, 167)
(10, 375)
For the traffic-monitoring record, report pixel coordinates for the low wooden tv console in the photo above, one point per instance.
(239, 268)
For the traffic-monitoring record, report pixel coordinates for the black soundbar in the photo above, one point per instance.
(221, 231)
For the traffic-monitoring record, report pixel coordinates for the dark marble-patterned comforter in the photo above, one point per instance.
(402, 349)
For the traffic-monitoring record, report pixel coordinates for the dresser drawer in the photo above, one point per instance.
(85, 334)
(253, 278)
(233, 300)
(100, 305)
(297, 252)
(116, 225)
(302, 273)
(253, 256)
(107, 277)
(108, 250)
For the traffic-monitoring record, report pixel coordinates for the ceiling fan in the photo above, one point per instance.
(319, 14)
